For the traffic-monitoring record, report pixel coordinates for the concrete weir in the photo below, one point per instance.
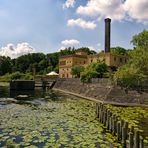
(102, 91)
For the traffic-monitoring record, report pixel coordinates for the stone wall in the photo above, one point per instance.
(102, 90)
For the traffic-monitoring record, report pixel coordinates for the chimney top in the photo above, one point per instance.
(107, 20)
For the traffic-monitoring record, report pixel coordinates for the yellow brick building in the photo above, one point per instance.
(67, 62)
(81, 58)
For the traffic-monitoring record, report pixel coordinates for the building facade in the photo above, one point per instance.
(67, 62)
(82, 59)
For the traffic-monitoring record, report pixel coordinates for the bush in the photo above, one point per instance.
(16, 75)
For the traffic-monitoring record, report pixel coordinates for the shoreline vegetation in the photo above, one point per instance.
(4, 83)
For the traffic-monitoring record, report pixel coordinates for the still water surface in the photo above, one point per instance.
(49, 119)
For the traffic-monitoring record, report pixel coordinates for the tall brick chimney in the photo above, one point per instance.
(107, 34)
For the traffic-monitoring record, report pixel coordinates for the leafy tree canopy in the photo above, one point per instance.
(76, 70)
(141, 40)
(136, 70)
(119, 50)
(5, 65)
(94, 70)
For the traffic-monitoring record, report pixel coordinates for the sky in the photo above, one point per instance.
(47, 26)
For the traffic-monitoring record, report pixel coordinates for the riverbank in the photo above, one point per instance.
(4, 84)
(102, 91)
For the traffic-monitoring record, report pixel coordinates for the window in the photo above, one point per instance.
(114, 58)
(62, 62)
(120, 59)
(84, 62)
(125, 60)
(91, 60)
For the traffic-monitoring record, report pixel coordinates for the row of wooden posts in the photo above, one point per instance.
(129, 137)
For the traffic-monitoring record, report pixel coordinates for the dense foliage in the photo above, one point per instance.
(76, 71)
(135, 73)
(94, 70)
(119, 51)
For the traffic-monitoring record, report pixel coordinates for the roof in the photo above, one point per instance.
(74, 55)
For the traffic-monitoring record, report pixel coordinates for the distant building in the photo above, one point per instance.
(67, 62)
(81, 58)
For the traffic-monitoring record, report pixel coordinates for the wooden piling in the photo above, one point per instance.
(131, 140)
(141, 143)
(118, 131)
(110, 124)
(97, 109)
(132, 129)
(137, 140)
(107, 120)
(126, 129)
(123, 137)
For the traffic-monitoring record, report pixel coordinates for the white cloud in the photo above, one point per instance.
(137, 9)
(116, 9)
(70, 42)
(69, 3)
(81, 23)
(61, 48)
(103, 8)
(15, 51)
(92, 48)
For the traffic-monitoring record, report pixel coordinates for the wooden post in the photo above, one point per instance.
(123, 137)
(100, 113)
(131, 140)
(137, 139)
(97, 109)
(142, 143)
(126, 129)
(104, 119)
(44, 84)
(107, 120)
(118, 131)
(113, 126)
(110, 124)
(132, 129)
(121, 125)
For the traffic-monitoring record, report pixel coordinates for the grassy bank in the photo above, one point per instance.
(4, 84)
(15, 76)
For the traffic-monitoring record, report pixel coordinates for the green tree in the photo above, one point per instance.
(141, 40)
(136, 71)
(129, 76)
(119, 50)
(94, 70)
(76, 70)
(87, 50)
(5, 65)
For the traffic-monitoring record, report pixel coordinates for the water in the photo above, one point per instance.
(49, 119)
